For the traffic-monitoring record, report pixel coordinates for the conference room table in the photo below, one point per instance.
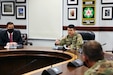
(51, 58)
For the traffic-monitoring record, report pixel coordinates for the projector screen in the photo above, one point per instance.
(45, 19)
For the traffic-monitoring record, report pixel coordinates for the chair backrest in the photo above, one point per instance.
(87, 35)
(25, 39)
(1, 30)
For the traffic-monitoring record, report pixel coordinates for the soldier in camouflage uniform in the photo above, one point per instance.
(73, 40)
(93, 56)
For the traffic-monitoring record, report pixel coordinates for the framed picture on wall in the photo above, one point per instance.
(20, 1)
(72, 2)
(21, 12)
(107, 13)
(107, 1)
(72, 13)
(7, 8)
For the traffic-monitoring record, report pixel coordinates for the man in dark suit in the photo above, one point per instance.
(10, 35)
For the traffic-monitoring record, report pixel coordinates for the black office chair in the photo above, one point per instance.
(25, 39)
(1, 30)
(87, 35)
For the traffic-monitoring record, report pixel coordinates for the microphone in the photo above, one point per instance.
(52, 71)
(104, 44)
(107, 50)
(76, 63)
(57, 47)
(110, 51)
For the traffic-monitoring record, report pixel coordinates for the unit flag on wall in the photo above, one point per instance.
(88, 15)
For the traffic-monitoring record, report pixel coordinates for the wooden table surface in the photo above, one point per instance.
(65, 70)
(62, 66)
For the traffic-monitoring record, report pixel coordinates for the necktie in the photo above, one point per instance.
(11, 38)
